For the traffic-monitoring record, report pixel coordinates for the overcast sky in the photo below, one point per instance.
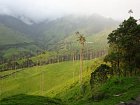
(41, 9)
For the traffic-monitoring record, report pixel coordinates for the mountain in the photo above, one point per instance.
(15, 37)
(10, 36)
(15, 24)
(59, 29)
(24, 33)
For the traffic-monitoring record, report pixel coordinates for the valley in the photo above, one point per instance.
(71, 60)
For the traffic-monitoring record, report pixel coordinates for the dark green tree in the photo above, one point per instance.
(124, 45)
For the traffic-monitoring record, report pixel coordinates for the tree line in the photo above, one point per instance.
(28, 62)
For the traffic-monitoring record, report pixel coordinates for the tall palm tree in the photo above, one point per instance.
(130, 12)
(81, 40)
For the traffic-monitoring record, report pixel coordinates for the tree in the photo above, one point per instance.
(124, 42)
(81, 40)
(130, 12)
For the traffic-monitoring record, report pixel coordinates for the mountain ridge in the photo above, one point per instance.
(50, 32)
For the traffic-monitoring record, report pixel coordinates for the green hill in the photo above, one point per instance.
(53, 31)
(96, 41)
(56, 77)
(116, 90)
(13, 42)
(10, 36)
(61, 81)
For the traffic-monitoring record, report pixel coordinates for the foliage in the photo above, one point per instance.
(100, 74)
(23, 99)
(124, 45)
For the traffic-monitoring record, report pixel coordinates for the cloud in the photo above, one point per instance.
(42, 9)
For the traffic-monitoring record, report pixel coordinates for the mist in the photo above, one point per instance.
(39, 10)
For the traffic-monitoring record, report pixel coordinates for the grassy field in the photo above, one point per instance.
(7, 72)
(42, 80)
(60, 82)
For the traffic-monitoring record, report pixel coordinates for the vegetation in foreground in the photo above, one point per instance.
(115, 90)
(23, 99)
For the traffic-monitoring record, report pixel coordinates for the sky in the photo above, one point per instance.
(38, 10)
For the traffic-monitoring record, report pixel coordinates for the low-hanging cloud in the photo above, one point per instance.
(38, 10)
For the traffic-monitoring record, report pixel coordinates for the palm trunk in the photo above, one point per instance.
(81, 68)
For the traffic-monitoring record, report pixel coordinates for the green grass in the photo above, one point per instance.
(7, 72)
(61, 81)
(30, 100)
(127, 87)
(56, 77)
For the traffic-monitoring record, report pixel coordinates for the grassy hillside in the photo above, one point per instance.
(94, 42)
(13, 42)
(55, 78)
(116, 90)
(10, 36)
(61, 81)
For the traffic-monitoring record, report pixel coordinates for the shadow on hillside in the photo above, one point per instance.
(23, 99)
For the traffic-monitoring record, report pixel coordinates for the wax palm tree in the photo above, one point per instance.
(130, 12)
(81, 40)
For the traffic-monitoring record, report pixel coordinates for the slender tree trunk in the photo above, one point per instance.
(81, 68)
(130, 71)
(73, 58)
(81, 64)
(118, 67)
